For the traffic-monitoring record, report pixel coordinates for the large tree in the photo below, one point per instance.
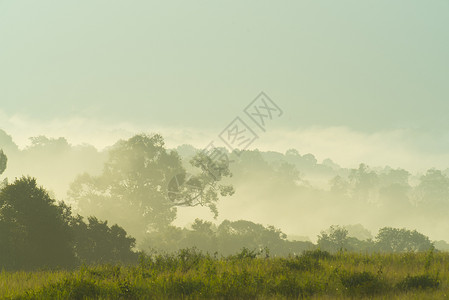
(34, 229)
(400, 240)
(232, 236)
(36, 232)
(334, 239)
(142, 184)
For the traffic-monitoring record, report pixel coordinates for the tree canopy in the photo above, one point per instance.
(399, 240)
(133, 188)
(34, 229)
(36, 232)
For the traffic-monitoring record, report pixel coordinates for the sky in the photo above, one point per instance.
(356, 80)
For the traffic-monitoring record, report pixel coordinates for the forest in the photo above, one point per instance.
(114, 236)
(130, 195)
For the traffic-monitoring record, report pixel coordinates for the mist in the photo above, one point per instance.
(301, 201)
(224, 150)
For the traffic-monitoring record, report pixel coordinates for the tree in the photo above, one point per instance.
(49, 145)
(7, 143)
(204, 188)
(34, 230)
(433, 191)
(359, 232)
(400, 240)
(339, 186)
(334, 239)
(286, 174)
(97, 243)
(292, 152)
(203, 236)
(133, 188)
(365, 183)
(395, 189)
(233, 236)
(3, 163)
(167, 239)
(309, 159)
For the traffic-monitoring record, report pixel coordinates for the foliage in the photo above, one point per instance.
(97, 243)
(424, 281)
(227, 238)
(3, 164)
(37, 232)
(335, 239)
(132, 189)
(388, 239)
(398, 240)
(34, 230)
(203, 188)
(3, 161)
(362, 283)
(432, 193)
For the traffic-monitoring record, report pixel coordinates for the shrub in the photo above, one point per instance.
(419, 282)
(302, 263)
(362, 283)
(318, 254)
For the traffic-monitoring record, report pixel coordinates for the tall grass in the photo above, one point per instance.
(189, 274)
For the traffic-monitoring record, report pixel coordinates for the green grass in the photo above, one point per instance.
(192, 275)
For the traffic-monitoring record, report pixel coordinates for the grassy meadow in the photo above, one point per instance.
(189, 274)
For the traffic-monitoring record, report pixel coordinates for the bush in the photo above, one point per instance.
(302, 263)
(318, 254)
(419, 282)
(362, 283)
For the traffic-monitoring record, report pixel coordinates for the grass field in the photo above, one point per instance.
(189, 274)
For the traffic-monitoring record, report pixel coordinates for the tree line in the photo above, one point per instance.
(37, 231)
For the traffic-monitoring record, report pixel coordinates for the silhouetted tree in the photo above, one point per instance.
(96, 242)
(34, 230)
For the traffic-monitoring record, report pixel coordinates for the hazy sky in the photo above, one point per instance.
(355, 79)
